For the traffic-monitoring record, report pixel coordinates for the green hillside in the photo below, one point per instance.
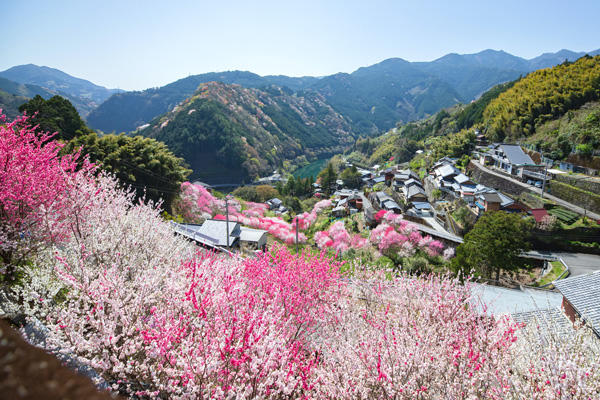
(231, 134)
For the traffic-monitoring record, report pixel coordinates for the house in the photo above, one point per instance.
(274, 204)
(204, 185)
(422, 209)
(462, 179)
(374, 181)
(355, 201)
(414, 193)
(380, 198)
(513, 160)
(581, 298)
(443, 161)
(488, 201)
(213, 233)
(272, 179)
(446, 171)
(255, 239)
(339, 211)
(391, 205)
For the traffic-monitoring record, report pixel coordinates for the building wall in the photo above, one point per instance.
(569, 310)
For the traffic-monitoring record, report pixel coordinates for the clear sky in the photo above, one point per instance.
(139, 44)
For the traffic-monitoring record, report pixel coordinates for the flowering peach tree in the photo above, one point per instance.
(156, 318)
(34, 182)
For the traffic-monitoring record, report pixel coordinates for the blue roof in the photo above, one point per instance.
(421, 205)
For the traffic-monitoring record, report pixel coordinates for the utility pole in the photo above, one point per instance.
(227, 219)
(545, 174)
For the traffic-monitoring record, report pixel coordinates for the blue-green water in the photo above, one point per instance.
(311, 169)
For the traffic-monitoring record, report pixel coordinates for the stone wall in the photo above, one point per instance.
(575, 195)
(496, 182)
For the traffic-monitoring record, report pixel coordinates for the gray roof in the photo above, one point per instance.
(502, 300)
(412, 182)
(275, 201)
(216, 230)
(491, 197)
(251, 235)
(379, 179)
(550, 320)
(461, 178)
(515, 154)
(583, 292)
(447, 170)
(390, 205)
(414, 190)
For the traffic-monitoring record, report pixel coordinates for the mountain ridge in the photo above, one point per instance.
(417, 89)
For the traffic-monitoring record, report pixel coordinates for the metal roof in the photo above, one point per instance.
(502, 300)
(421, 205)
(413, 191)
(390, 205)
(447, 170)
(491, 197)
(217, 231)
(583, 292)
(461, 178)
(251, 235)
(515, 154)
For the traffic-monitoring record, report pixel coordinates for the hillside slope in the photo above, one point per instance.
(84, 94)
(555, 110)
(230, 134)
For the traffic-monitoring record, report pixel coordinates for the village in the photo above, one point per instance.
(441, 203)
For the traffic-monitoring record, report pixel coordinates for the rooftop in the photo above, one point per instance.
(583, 292)
(515, 154)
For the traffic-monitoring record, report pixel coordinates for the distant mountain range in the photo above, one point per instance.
(374, 98)
(48, 82)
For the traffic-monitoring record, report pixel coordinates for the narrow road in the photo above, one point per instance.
(580, 264)
(565, 204)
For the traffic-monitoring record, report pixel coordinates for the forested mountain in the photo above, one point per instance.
(229, 134)
(84, 95)
(554, 109)
(373, 98)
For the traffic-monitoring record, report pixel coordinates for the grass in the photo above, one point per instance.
(557, 269)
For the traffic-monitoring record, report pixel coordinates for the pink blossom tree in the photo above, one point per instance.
(34, 180)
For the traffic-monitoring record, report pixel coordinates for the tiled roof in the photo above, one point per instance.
(447, 170)
(550, 320)
(583, 292)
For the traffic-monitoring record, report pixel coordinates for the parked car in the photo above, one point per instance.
(538, 184)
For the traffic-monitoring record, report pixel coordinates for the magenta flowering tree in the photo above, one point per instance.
(197, 204)
(396, 235)
(338, 238)
(34, 182)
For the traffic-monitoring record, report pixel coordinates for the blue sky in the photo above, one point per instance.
(141, 44)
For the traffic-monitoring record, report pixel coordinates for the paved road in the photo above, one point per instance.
(563, 203)
(580, 264)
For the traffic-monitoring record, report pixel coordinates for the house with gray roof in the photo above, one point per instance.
(581, 298)
(513, 160)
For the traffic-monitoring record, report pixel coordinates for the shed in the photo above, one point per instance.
(256, 238)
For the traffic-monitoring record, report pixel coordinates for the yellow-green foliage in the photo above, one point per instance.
(454, 145)
(541, 96)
